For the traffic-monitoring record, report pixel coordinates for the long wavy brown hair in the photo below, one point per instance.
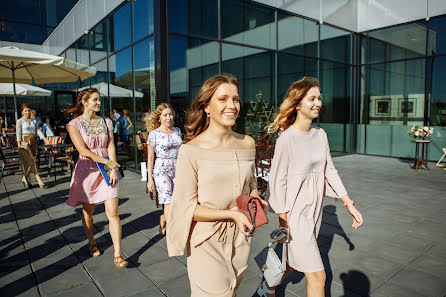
(197, 120)
(78, 107)
(153, 120)
(287, 112)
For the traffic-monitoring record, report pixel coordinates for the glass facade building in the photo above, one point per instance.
(31, 21)
(374, 84)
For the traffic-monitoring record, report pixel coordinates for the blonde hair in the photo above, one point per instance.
(287, 112)
(152, 121)
(197, 119)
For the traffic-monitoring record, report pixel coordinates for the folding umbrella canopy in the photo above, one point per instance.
(23, 66)
(7, 89)
(113, 91)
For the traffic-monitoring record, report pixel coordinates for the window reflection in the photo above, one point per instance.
(298, 35)
(119, 67)
(248, 23)
(196, 17)
(254, 70)
(437, 92)
(120, 29)
(142, 19)
(335, 44)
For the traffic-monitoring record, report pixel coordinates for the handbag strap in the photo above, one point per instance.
(252, 217)
(106, 129)
(277, 235)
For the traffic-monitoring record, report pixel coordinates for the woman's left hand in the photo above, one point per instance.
(357, 216)
(114, 179)
(265, 205)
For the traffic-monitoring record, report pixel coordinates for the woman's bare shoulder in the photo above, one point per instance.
(244, 142)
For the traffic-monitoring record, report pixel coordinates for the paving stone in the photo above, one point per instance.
(393, 290)
(84, 290)
(147, 254)
(151, 292)
(132, 281)
(53, 279)
(438, 250)
(431, 265)
(421, 282)
(177, 287)
(164, 271)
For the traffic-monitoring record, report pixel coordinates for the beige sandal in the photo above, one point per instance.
(120, 262)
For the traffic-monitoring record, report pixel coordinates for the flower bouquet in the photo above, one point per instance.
(421, 132)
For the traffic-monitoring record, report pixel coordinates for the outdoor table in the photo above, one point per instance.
(50, 148)
(420, 160)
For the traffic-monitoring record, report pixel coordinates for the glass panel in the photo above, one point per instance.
(98, 42)
(100, 81)
(197, 17)
(298, 35)
(255, 72)
(248, 23)
(437, 94)
(25, 33)
(20, 11)
(396, 103)
(120, 29)
(83, 55)
(145, 92)
(53, 11)
(46, 31)
(142, 19)
(120, 65)
(192, 61)
(395, 43)
(437, 36)
(335, 44)
(291, 68)
(334, 116)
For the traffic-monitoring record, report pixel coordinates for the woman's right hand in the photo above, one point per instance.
(150, 185)
(113, 165)
(243, 224)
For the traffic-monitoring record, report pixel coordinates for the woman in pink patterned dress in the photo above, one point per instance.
(88, 132)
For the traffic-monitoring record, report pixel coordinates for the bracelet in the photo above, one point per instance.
(349, 201)
(108, 163)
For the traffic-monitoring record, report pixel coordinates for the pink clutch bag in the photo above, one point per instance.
(253, 209)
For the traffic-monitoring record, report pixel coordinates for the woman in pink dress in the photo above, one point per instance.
(88, 132)
(302, 173)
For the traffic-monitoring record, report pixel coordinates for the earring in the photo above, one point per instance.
(208, 114)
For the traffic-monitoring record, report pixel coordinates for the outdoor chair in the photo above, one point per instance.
(8, 163)
(69, 160)
(439, 164)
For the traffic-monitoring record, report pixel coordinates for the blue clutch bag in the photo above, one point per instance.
(105, 171)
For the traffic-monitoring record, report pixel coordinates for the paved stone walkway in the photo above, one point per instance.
(400, 250)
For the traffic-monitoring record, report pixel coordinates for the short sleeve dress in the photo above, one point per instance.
(87, 184)
(217, 251)
(166, 150)
(301, 174)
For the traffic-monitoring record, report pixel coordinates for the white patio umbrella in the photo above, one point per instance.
(115, 91)
(23, 66)
(7, 89)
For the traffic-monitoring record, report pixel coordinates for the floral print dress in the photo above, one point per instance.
(166, 150)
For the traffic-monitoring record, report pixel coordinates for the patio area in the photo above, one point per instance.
(399, 252)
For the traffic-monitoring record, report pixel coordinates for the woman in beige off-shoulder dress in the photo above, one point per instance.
(213, 168)
(302, 173)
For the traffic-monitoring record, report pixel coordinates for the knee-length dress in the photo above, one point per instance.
(87, 184)
(166, 150)
(302, 173)
(217, 252)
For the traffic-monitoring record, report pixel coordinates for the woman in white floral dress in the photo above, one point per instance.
(164, 140)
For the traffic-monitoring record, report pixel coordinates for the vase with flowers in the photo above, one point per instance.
(421, 132)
